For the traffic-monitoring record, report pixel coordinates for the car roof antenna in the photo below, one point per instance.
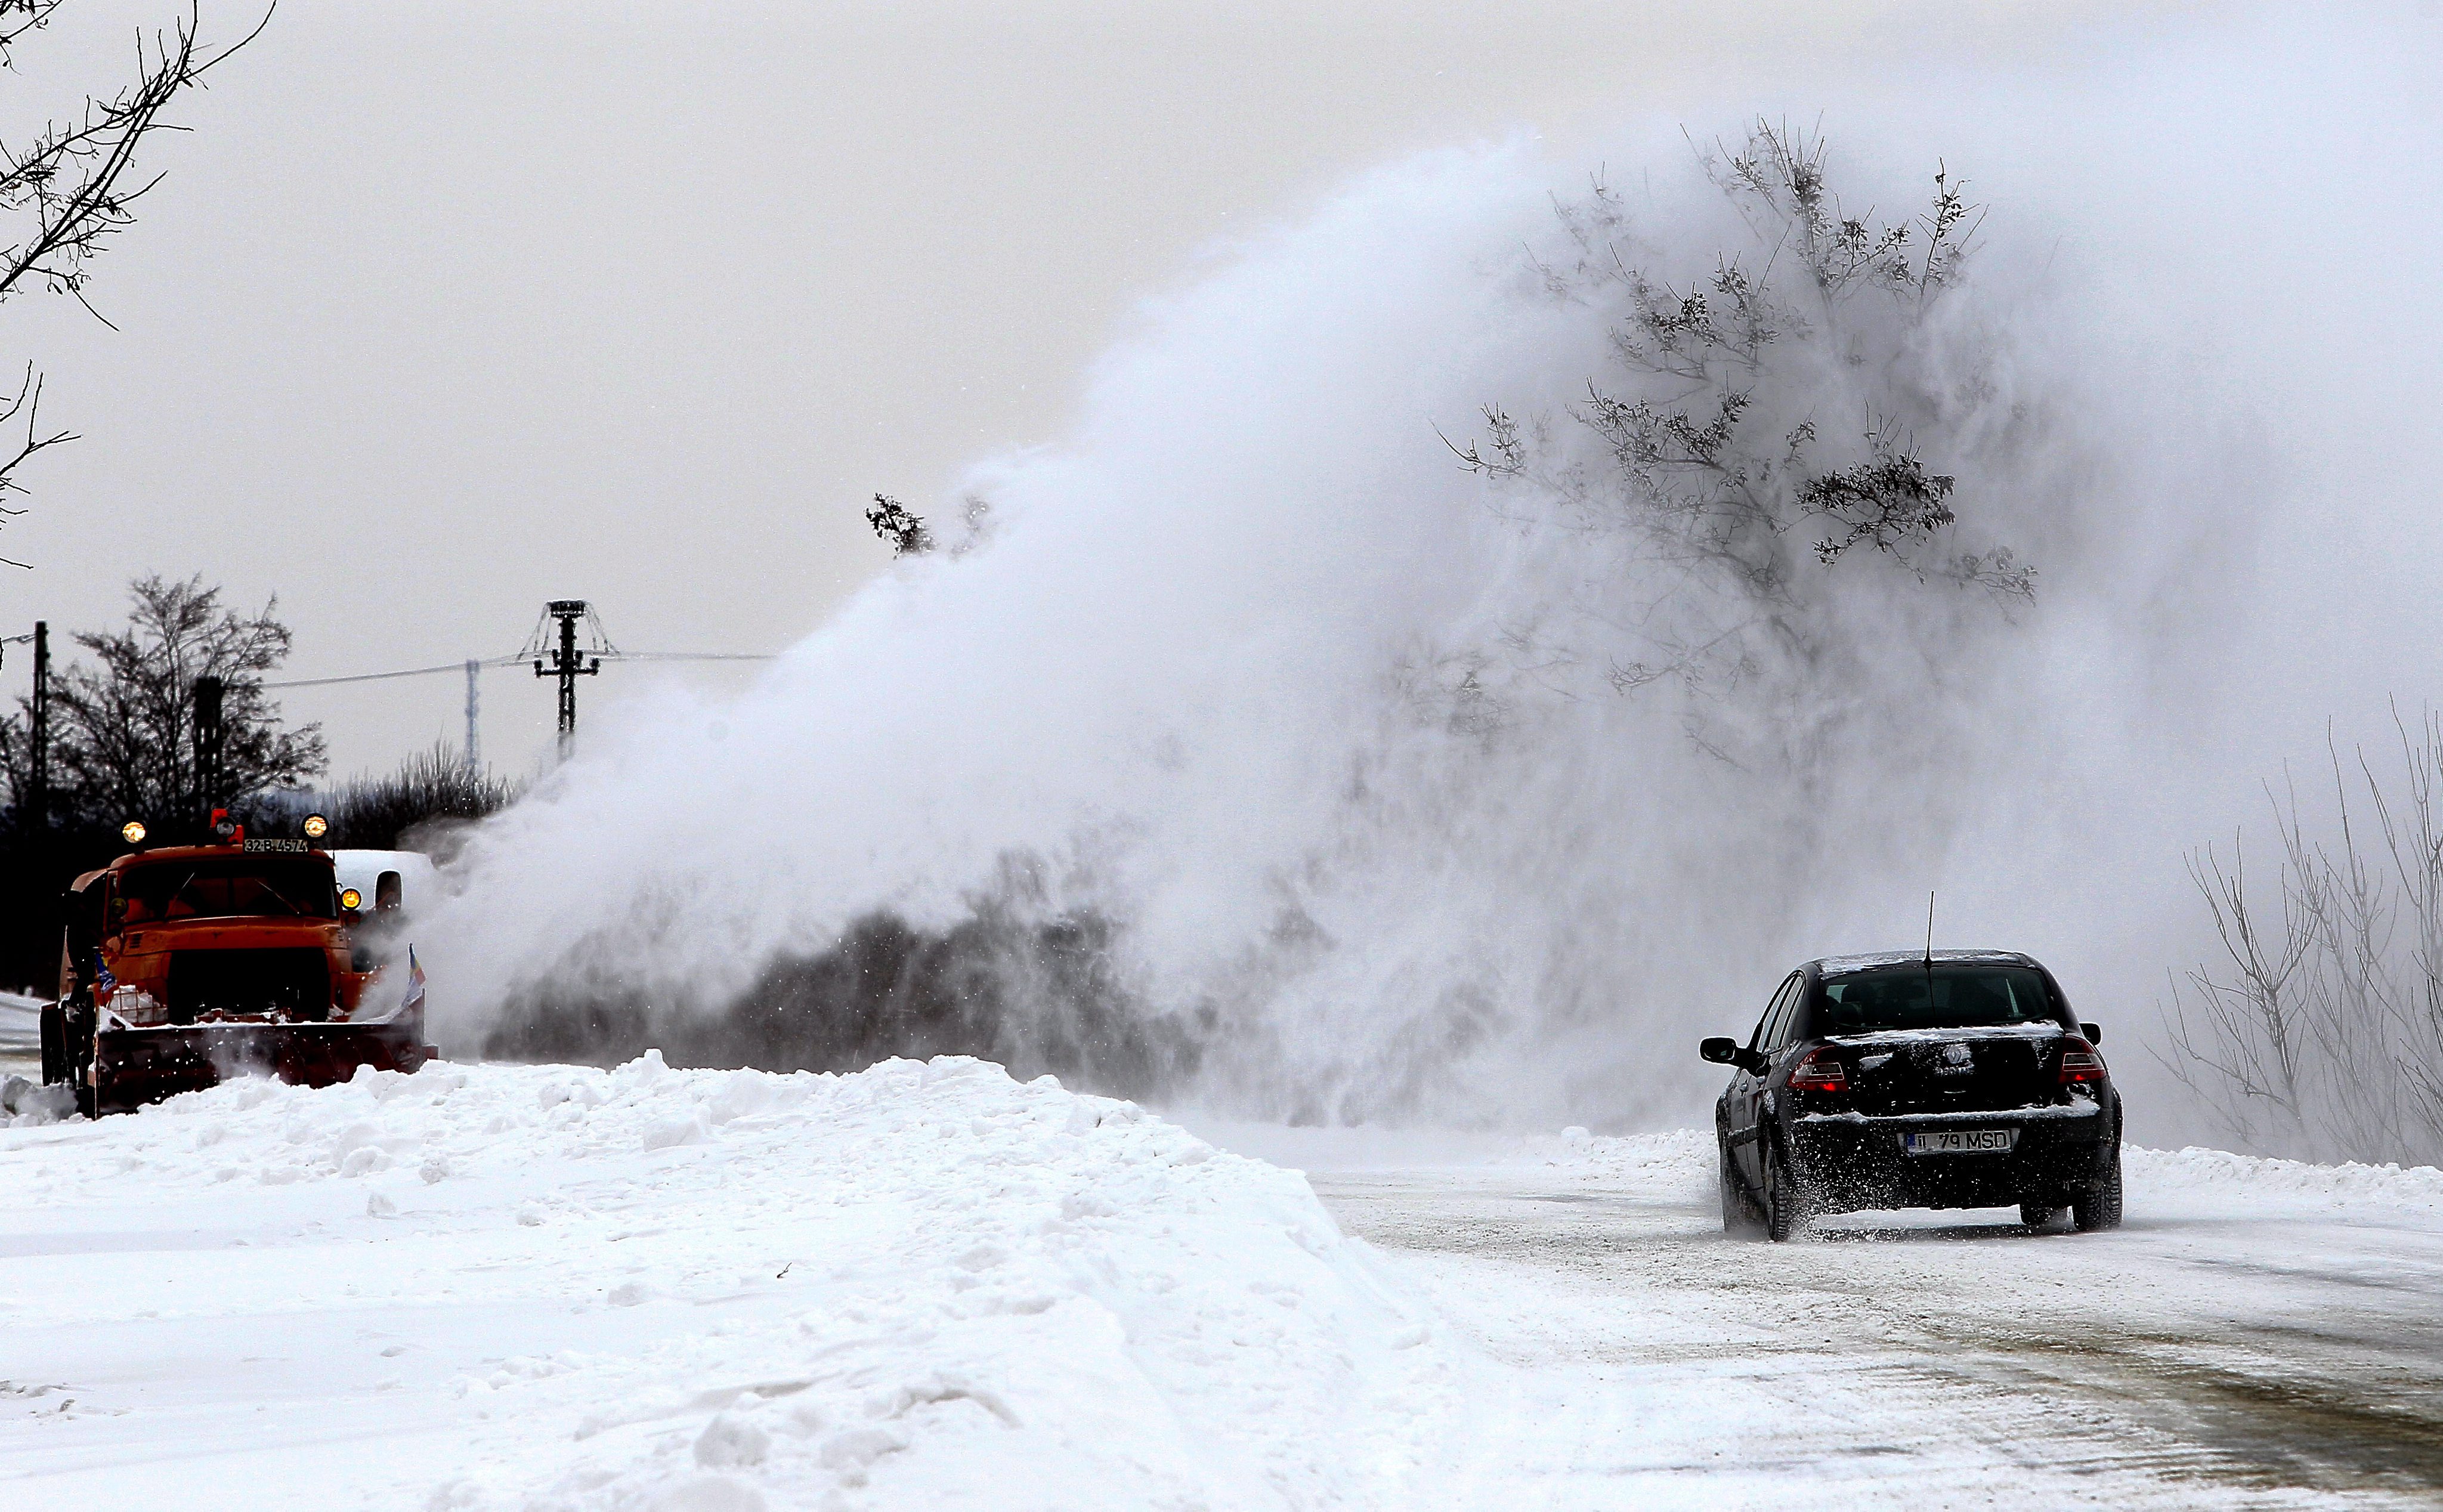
(1929, 931)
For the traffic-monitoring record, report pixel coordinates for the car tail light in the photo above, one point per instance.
(2079, 1061)
(1821, 1071)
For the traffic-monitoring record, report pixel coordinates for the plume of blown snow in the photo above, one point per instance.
(1332, 727)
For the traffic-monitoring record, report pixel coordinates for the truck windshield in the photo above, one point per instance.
(1946, 997)
(240, 887)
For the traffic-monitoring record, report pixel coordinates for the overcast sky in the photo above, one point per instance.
(447, 309)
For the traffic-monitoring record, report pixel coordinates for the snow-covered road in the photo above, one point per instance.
(928, 1286)
(2260, 1333)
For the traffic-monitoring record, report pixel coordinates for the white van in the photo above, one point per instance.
(389, 884)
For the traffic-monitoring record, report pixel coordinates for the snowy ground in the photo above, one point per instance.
(928, 1286)
(918, 1286)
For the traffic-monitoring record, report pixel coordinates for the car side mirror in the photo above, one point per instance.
(1721, 1048)
(2094, 1032)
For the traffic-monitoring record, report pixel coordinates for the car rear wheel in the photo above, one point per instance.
(2100, 1207)
(1785, 1202)
(1739, 1212)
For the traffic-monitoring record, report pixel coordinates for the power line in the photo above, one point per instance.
(383, 676)
(692, 655)
(564, 662)
(603, 651)
(511, 661)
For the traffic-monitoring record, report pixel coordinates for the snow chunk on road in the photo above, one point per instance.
(917, 1285)
(25, 1101)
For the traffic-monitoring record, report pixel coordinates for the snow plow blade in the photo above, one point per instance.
(136, 1066)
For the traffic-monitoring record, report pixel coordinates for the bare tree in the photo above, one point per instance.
(2320, 1031)
(124, 730)
(73, 188)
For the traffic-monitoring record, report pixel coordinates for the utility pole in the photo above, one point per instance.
(567, 665)
(474, 740)
(208, 744)
(39, 767)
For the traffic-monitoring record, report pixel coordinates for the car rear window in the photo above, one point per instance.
(1941, 997)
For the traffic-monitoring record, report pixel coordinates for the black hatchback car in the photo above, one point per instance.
(1953, 1078)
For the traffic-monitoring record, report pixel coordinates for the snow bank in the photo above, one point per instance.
(2199, 1171)
(918, 1285)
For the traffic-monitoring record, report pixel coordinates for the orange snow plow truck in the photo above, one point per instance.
(185, 966)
